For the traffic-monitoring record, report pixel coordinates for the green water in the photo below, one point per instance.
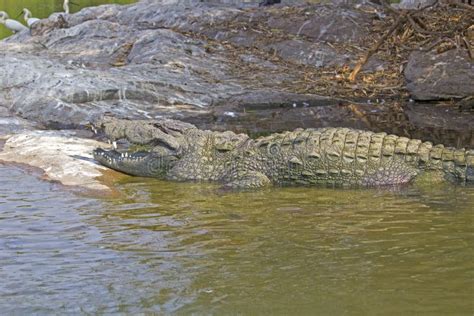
(43, 8)
(191, 249)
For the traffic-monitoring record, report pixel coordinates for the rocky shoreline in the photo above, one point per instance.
(246, 69)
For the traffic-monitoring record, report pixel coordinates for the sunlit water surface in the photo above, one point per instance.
(189, 248)
(43, 8)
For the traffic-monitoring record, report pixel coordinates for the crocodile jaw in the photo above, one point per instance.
(143, 164)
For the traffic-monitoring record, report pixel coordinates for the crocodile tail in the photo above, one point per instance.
(455, 163)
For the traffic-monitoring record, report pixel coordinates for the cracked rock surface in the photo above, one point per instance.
(165, 58)
(188, 60)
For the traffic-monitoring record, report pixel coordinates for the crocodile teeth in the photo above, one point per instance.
(114, 144)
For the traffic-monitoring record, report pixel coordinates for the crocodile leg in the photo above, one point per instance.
(249, 180)
(389, 173)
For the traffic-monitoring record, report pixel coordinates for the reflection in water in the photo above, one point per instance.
(439, 124)
(174, 247)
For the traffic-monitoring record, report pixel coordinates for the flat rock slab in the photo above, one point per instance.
(432, 76)
(62, 156)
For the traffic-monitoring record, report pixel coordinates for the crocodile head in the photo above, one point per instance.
(165, 139)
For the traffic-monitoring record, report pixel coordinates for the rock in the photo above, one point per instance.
(412, 4)
(62, 155)
(161, 58)
(314, 54)
(10, 125)
(432, 76)
(325, 24)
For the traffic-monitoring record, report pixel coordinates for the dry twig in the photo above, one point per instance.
(400, 20)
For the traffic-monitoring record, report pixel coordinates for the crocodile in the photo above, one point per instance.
(180, 151)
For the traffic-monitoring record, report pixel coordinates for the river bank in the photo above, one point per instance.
(247, 69)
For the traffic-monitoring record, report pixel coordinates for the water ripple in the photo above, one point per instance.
(189, 248)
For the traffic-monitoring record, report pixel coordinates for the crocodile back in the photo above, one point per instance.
(343, 156)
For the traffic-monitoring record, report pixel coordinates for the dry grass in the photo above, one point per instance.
(439, 28)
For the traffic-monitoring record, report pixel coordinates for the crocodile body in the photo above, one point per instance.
(326, 156)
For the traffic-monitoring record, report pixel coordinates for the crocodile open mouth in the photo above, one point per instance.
(140, 163)
(116, 156)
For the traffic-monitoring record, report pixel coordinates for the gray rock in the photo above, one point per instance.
(325, 23)
(13, 125)
(62, 155)
(315, 54)
(159, 58)
(412, 4)
(432, 76)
